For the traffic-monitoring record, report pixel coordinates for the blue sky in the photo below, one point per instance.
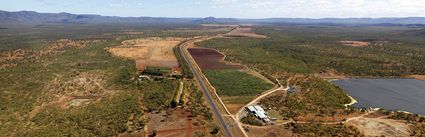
(226, 8)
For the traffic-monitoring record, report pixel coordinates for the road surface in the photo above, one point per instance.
(197, 75)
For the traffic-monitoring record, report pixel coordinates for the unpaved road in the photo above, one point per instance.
(280, 88)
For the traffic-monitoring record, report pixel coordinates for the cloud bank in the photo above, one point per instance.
(324, 8)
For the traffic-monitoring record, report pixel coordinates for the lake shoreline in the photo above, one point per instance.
(394, 94)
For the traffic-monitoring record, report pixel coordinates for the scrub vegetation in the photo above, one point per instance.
(301, 55)
(311, 49)
(78, 88)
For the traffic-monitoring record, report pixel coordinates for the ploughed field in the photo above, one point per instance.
(234, 85)
(208, 58)
(392, 94)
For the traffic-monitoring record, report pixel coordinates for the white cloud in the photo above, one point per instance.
(124, 3)
(223, 3)
(324, 8)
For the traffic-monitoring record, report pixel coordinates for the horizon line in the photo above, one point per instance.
(94, 14)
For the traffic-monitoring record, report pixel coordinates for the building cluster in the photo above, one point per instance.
(258, 112)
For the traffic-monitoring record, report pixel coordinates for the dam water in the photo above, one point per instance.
(391, 94)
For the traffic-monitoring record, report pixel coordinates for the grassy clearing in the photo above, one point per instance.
(235, 87)
(236, 83)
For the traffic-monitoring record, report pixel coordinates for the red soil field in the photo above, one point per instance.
(208, 58)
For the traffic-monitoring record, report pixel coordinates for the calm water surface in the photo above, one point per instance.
(392, 94)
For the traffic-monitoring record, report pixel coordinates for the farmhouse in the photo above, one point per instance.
(258, 112)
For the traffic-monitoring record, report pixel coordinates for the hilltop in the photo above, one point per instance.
(32, 17)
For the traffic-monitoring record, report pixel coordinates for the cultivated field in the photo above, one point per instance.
(210, 59)
(234, 86)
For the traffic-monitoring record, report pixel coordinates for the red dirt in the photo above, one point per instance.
(208, 58)
(418, 77)
(178, 123)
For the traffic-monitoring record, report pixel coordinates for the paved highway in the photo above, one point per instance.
(197, 75)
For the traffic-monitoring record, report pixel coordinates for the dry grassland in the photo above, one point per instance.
(152, 51)
(380, 127)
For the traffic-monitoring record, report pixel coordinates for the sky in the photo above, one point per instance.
(226, 8)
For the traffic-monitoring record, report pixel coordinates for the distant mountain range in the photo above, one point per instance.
(31, 17)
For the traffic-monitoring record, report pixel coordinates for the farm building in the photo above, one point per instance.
(292, 89)
(258, 112)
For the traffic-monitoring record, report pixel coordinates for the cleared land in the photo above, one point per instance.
(380, 127)
(355, 43)
(174, 123)
(208, 58)
(152, 51)
(244, 32)
(418, 77)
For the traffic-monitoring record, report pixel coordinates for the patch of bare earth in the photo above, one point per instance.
(174, 123)
(152, 51)
(418, 77)
(355, 43)
(269, 131)
(243, 32)
(63, 93)
(218, 25)
(336, 118)
(207, 28)
(380, 127)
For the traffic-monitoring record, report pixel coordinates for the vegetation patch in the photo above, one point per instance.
(317, 129)
(157, 71)
(313, 96)
(250, 119)
(236, 83)
(236, 88)
(305, 50)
